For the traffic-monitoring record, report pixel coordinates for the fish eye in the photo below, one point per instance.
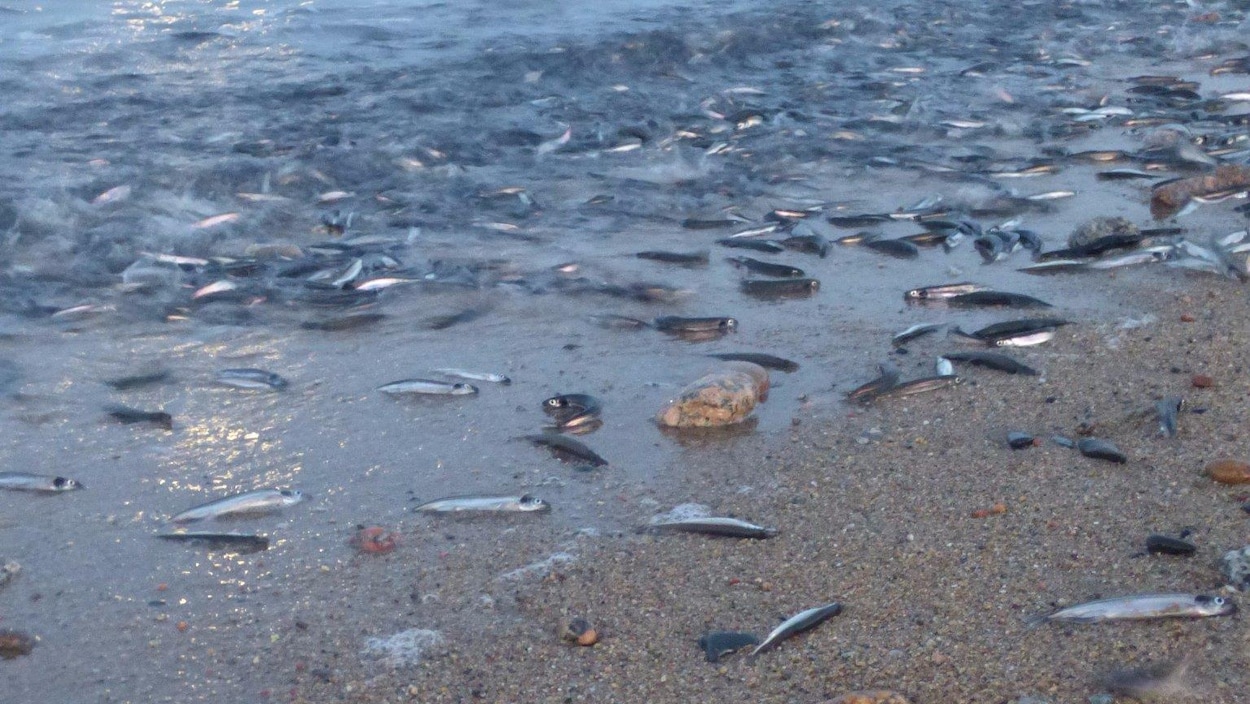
(729, 323)
(1218, 601)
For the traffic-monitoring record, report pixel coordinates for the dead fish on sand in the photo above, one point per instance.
(427, 387)
(941, 292)
(887, 379)
(1142, 607)
(798, 623)
(251, 379)
(476, 376)
(715, 525)
(23, 481)
(767, 361)
(455, 504)
(992, 360)
(246, 504)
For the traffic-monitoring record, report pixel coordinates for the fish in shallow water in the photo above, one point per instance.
(127, 415)
(573, 410)
(567, 449)
(251, 379)
(476, 376)
(454, 504)
(428, 387)
(767, 361)
(887, 378)
(237, 542)
(23, 481)
(798, 623)
(779, 288)
(1143, 607)
(677, 324)
(246, 504)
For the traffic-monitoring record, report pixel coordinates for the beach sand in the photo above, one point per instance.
(936, 599)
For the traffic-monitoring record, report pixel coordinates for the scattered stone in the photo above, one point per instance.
(718, 644)
(724, 397)
(1228, 471)
(1019, 441)
(875, 696)
(15, 644)
(578, 630)
(1167, 545)
(1100, 449)
(1099, 228)
(1202, 381)
(1169, 198)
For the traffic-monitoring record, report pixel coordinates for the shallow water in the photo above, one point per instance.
(127, 127)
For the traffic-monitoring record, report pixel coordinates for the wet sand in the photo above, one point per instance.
(935, 599)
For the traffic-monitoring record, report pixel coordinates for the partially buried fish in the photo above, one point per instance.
(23, 481)
(1143, 607)
(455, 504)
(238, 542)
(246, 504)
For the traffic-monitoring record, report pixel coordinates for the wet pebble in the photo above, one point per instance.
(577, 630)
(875, 696)
(1019, 441)
(1228, 471)
(1201, 381)
(1167, 545)
(15, 644)
(1100, 449)
(723, 397)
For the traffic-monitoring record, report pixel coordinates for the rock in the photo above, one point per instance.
(875, 696)
(1237, 568)
(724, 397)
(1228, 471)
(1101, 227)
(15, 644)
(1202, 381)
(577, 630)
(1169, 198)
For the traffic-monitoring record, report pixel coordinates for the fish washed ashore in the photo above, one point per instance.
(309, 333)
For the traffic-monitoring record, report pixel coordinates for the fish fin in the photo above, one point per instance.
(1036, 620)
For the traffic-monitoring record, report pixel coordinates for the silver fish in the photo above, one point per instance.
(475, 376)
(716, 525)
(914, 332)
(1142, 607)
(454, 504)
(248, 503)
(251, 379)
(426, 386)
(798, 623)
(1029, 339)
(23, 481)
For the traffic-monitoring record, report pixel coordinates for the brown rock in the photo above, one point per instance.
(875, 696)
(577, 630)
(1202, 381)
(1101, 227)
(1228, 471)
(724, 397)
(1168, 199)
(15, 644)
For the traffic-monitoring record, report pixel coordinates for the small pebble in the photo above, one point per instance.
(15, 644)
(578, 630)
(1228, 471)
(1202, 381)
